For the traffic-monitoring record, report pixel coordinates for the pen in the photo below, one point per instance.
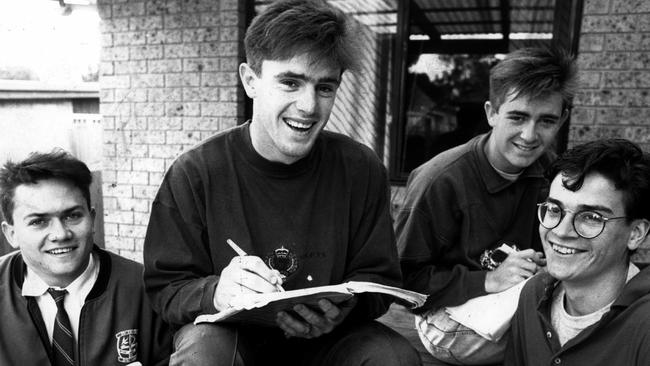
(241, 253)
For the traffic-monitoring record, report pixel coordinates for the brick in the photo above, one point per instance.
(107, 39)
(200, 6)
(583, 116)
(230, 64)
(149, 109)
(181, 50)
(623, 42)
(231, 94)
(606, 61)
(146, 23)
(622, 116)
(225, 109)
(592, 42)
(206, 34)
(118, 217)
(183, 137)
(596, 7)
(639, 60)
(132, 150)
(131, 231)
(107, 95)
(133, 123)
(161, 7)
(108, 123)
(106, 69)
(112, 109)
(219, 79)
(108, 149)
(229, 34)
(145, 191)
(201, 94)
(130, 67)
(181, 21)
(626, 79)
(165, 123)
(155, 178)
(148, 164)
(131, 177)
(147, 80)
(130, 95)
(201, 64)
(166, 151)
(133, 204)
(182, 109)
(589, 79)
(118, 163)
(164, 36)
(607, 97)
(146, 52)
(184, 80)
(105, 11)
(110, 229)
(615, 23)
(229, 17)
(129, 38)
(229, 4)
(220, 49)
(140, 218)
(114, 242)
(210, 19)
(130, 9)
(165, 95)
(200, 123)
(147, 137)
(164, 66)
(114, 25)
(115, 53)
(630, 6)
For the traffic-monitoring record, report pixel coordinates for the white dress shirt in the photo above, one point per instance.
(78, 290)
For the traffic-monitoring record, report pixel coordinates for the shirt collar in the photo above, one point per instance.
(77, 289)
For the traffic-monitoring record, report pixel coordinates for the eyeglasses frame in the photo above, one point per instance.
(573, 222)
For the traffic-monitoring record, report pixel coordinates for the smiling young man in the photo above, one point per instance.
(65, 301)
(593, 305)
(469, 200)
(310, 207)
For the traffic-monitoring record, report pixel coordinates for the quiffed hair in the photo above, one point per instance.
(288, 28)
(534, 73)
(618, 160)
(57, 164)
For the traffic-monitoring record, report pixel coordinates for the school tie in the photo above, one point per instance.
(62, 339)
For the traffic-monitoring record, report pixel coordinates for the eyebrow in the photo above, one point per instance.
(584, 207)
(293, 75)
(46, 214)
(546, 115)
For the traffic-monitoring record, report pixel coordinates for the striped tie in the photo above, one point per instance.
(62, 339)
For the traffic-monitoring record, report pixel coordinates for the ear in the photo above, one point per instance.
(93, 215)
(248, 78)
(9, 232)
(489, 113)
(639, 234)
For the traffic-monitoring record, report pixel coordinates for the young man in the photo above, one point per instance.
(593, 305)
(469, 200)
(65, 301)
(310, 208)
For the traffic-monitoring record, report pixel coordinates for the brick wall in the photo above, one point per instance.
(168, 80)
(614, 62)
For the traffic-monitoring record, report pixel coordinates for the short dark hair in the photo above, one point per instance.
(38, 166)
(620, 161)
(288, 28)
(534, 72)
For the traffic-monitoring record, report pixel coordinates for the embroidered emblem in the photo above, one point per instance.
(127, 345)
(283, 260)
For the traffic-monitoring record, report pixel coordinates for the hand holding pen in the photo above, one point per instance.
(245, 275)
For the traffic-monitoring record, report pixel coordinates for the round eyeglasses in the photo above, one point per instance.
(587, 224)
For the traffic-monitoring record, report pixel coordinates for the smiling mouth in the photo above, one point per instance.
(60, 251)
(565, 250)
(299, 126)
(526, 148)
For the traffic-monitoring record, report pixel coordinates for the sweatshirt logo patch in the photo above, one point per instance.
(283, 260)
(127, 345)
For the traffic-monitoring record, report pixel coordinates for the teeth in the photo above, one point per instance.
(60, 250)
(526, 148)
(295, 124)
(563, 250)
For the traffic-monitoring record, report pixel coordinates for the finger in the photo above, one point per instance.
(292, 326)
(255, 265)
(330, 311)
(317, 323)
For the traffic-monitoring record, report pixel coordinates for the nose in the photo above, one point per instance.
(307, 101)
(58, 231)
(565, 227)
(528, 131)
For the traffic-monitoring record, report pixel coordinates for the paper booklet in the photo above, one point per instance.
(261, 309)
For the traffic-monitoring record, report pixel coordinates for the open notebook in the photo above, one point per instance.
(261, 309)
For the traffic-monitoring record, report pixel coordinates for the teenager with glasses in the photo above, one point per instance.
(593, 305)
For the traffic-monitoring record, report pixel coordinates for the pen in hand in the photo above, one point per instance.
(241, 253)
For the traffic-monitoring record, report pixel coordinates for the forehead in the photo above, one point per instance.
(302, 64)
(596, 190)
(50, 195)
(550, 103)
